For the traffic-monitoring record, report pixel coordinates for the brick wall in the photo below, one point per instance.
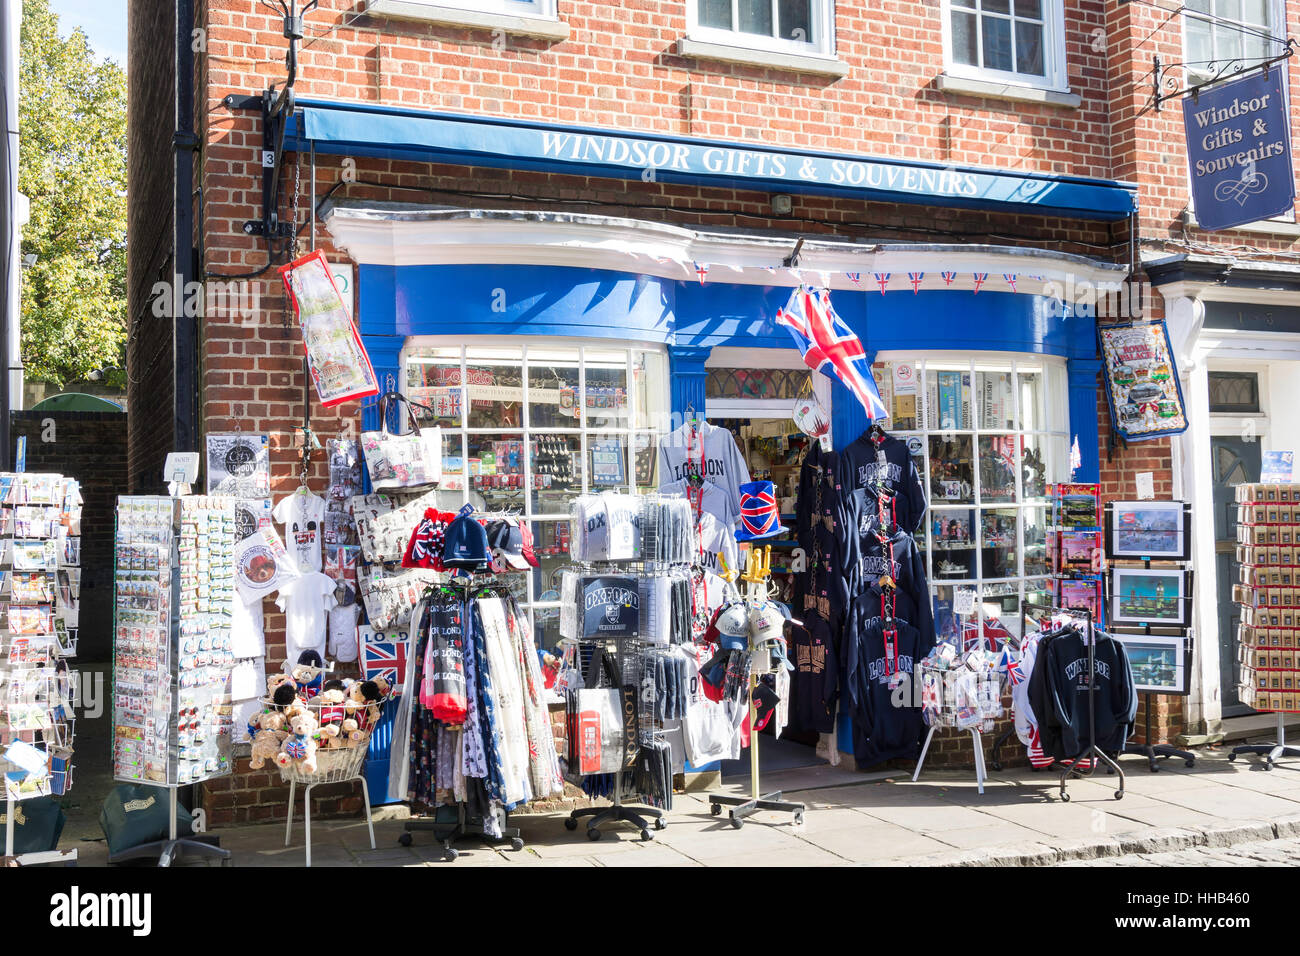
(91, 447)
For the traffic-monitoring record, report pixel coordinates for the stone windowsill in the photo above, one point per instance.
(792, 62)
(991, 89)
(455, 17)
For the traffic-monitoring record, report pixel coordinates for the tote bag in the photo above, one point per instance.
(412, 461)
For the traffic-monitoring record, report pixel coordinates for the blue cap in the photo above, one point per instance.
(466, 544)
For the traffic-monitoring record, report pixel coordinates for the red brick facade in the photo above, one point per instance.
(620, 68)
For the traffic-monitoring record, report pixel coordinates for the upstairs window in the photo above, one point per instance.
(792, 26)
(1229, 34)
(1017, 41)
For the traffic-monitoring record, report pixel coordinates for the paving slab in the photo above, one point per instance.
(880, 841)
(999, 833)
(1232, 803)
(930, 815)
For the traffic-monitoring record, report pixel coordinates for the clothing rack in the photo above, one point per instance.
(464, 826)
(1072, 766)
(742, 807)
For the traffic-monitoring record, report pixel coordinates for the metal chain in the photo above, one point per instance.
(293, 231)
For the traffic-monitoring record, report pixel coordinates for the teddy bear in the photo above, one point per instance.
(281, 690)
(300, 746)
(332, 716)
(363, 702)
(268, 734)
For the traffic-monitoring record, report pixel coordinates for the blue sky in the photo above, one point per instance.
(103, 20)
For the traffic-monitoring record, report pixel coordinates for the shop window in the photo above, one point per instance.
(782, 383)
(797, 26)
(528, 427)
(1021, 41)
(1234, 392)
(987, 437)
(1220, 33)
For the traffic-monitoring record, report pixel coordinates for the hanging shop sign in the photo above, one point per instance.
(1142, 389)
(1239, 151)
(340, 367)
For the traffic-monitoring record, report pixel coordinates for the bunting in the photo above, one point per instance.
(1011, 279)
(915, 278)
(980, 278)
(882, 280)
(702, 271)
(948, 277)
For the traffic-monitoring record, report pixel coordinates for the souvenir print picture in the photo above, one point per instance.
(238, 465)
(1149, 596)
(1146, 399)
(1148, 529)
(1158, 663)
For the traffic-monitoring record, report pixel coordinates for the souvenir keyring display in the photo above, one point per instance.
(174, 584)
(756, 577)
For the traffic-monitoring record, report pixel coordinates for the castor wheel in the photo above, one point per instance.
(516, 844)
(593, 833)
(1119, 794)
(570, 823)
(661, 823)
(646, 836)
(404, 839)
(997, 765)
(1190, 763)
(1065, 796)
(798, 819)
(1232, 757)
(737, 822)
(1155, 768)
(715, 809)
(451, 853)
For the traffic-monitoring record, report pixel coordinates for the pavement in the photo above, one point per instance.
(875, 819)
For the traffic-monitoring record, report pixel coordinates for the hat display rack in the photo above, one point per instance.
(756, 578)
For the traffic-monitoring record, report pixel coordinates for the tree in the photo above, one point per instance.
(72, 166)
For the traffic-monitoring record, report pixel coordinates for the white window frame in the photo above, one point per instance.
(525, 430)
(1055, 76)
(822, 23)
(537, 10)
(1053, 439)
(1276, 15)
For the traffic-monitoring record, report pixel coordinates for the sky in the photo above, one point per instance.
(103, 20)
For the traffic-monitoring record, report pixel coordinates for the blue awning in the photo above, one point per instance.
(358, 129)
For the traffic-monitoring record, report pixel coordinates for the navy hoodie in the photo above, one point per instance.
(812, 685)
(882, 730)
(863, 560)
(858, 467)
(818, 500)
(1058, 694)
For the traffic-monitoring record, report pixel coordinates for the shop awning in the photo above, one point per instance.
(357, 129)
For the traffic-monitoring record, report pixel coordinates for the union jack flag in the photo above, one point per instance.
(1011, 279)
(948, 277)
(829, 346)
(702, 270)
(758, 511)
(993, 632)
(855, 277)
(980, 279)
(882, 280)
(915, 278)
(384, 655)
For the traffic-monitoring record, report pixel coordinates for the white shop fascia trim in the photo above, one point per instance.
(402, 234)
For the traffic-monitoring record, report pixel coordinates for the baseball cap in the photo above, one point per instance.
(512, 545)
(466, 545)
(730, 627)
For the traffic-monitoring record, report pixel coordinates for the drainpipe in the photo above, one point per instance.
(185, 425)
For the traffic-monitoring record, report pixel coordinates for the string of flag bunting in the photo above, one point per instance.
(884, 282)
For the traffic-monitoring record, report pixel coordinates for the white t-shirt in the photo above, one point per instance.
(343, 632)
(304, 601)
(247, 625)
(303, 516)
(713, 499)
(717, 544)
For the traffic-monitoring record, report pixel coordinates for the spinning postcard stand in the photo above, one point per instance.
(755, 578)
(40, 536)
(174, 583)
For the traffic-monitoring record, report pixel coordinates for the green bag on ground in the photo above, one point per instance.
(136, 813)
(38, 824)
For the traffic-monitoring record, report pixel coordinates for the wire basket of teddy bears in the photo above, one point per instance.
(318, 739)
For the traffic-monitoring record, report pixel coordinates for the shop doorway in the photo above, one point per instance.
(1234, 461)
(753, 397)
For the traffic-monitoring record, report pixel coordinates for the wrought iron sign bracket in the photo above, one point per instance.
(1166, 81)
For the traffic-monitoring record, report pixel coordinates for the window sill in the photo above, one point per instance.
(997, 90)
(456, 17)
(771, 59)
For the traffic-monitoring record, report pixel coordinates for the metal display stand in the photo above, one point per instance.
(1084, 763)
(200, 844)
(741, 807)
(1270, 752)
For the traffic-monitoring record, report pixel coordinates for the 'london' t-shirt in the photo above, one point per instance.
(303, 516)
(700, 447)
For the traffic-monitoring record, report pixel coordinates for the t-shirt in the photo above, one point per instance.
(696, 447)
(713, 499)
(343, 632)
(303, 517)
(304, 601)
(717, 541)
(247, 625)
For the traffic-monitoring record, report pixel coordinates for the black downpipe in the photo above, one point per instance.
(184, 327)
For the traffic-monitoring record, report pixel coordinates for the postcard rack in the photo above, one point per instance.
(40, 520)
(1084, 763)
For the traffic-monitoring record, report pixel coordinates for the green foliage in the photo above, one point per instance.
(72, 166)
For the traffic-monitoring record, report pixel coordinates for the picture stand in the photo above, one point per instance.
(1270, 752)
(200, 844)
(39, 858)
(742, 807)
